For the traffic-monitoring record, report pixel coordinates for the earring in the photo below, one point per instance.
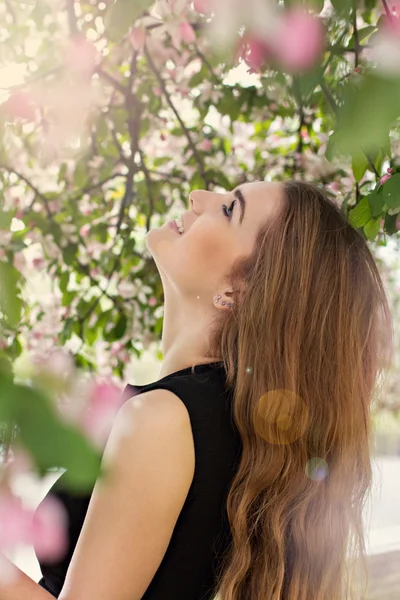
(223, 303)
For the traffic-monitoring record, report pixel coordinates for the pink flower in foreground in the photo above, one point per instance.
(299, 40)
(80, 54)
(203, 6)
(105, 399)
(254, 52)
(15, 522)
(187, 32)
(49, 530)
(137, 38)
(394, 22)
(20, 106)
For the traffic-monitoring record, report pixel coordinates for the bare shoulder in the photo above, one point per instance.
(156, 419)
(149, 460)
(157, 405)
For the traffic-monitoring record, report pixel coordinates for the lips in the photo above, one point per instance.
(174, 227)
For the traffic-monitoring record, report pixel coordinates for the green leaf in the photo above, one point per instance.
(50, 441)
(367, 113)
(122, 15)
(376, 202)
(10, 302)
(342, 7)
(197, 182)
(62, 173)
(390, 224)
(308, 81)
(371, 229)
(220, 177)
(391, 191)
(120, 327)
(363, 34)
(80, 174)
(360, 214)
(359, 164)
(332, 149)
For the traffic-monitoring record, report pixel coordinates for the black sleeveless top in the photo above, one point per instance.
(202, 534)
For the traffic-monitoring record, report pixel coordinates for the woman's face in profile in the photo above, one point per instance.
(218, 228)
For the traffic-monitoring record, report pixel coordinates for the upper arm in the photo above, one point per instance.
(132, 513)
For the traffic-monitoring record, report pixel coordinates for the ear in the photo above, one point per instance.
(237, 294)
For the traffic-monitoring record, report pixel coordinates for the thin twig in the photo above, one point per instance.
(34, 189)
(388, 12)
(149, 184)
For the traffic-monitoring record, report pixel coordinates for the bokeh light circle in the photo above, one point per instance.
(280, 417)
(316, 468)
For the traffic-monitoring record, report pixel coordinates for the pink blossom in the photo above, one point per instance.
(394, 22)
(49, 530)
(187, 32)
(15, 522)
(84, 230)
(104, 401)
(19, 261)
(203, 7)
(80, 54)
(254, 52)
(39, 262)
(20, 106)
(334, 186)
(299, 40)
(205, 145)
(137, 38)
(385, 177)
(152, 301)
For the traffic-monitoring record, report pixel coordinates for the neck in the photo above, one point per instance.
(185, 335)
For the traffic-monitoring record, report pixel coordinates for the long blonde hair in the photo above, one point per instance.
(302, 350)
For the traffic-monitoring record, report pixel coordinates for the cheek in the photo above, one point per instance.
(204, 250)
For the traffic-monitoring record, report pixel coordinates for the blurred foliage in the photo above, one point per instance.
(94, 154)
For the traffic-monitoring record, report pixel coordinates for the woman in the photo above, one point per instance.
(242, 471)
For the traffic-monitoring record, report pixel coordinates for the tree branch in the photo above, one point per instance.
(116, 84)
(72, 20)
(149, 190)
(356, 39)
(182, 124)
(37, 193)
(388, 12)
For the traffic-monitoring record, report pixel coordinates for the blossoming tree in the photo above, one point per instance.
(125, 106)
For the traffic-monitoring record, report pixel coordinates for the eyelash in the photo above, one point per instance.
(229, 209)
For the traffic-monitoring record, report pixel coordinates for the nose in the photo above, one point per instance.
(198, 199)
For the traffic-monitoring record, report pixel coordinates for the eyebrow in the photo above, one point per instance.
(239, 195)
